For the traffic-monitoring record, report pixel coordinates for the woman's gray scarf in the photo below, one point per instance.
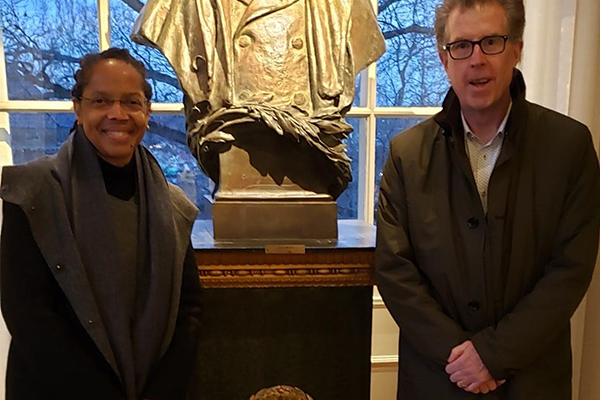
(135, 334)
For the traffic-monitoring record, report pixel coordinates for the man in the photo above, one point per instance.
(487, 224)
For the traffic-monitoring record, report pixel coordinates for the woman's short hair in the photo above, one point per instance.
(514, 9)
(89, 61)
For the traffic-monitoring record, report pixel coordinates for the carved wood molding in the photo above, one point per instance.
(256, 269)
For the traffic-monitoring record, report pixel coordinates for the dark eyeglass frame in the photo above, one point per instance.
(447, 46)
(109, 103)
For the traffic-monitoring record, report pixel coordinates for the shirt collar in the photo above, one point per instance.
(469, 134)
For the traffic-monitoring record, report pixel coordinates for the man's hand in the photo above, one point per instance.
(468, 371)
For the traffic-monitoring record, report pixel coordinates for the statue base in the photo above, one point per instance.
(274, 219)
(272, 189)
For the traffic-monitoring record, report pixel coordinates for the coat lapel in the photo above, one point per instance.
(259, 8)
(521, 225)
(184, 214)
(51, 228)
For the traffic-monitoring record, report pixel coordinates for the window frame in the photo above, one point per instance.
(368, 112)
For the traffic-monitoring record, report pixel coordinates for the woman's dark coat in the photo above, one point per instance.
(509, 281)
(59, 348)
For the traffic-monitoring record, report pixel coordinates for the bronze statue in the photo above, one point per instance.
(266, 84)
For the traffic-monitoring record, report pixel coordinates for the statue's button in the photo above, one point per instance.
(299, 99)
(297, 43)
(198, 64)
(244, 95)
(244, 41)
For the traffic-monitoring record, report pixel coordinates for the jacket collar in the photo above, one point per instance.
(449, 118)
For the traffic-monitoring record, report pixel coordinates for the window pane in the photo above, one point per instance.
(358, 95)
(387, 128)
(166, 140)
(39, 134)
(43, 42)
(348, 200)
(409, 74)
(35, 135)
(161, 76)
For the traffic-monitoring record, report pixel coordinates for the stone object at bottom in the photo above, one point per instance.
(281, 392)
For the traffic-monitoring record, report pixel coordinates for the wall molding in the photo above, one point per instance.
(378, 303)
(384, 361)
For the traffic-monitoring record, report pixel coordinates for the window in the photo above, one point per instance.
(42, 41)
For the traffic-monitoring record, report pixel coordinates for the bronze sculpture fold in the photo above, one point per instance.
(287, 67)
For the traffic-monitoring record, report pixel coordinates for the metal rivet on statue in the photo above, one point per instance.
(299, 99)
(244, 95)
(244, 41)
(297, 43)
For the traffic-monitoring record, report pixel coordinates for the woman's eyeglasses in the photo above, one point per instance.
(128, 104)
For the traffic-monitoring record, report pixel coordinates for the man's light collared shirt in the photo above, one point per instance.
(483, 156)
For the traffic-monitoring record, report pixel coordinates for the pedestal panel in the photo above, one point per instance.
(286, 313)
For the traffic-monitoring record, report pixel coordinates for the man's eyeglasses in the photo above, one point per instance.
(489, 45)
(128, 104)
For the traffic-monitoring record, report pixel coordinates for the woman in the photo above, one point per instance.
(99, 284)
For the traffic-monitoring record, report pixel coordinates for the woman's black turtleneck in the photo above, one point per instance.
(120, 182)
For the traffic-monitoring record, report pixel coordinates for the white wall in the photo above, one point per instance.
(585, 106)
(384, 352)
(5, 159)
(560, 64)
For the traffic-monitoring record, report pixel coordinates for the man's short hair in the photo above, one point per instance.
(514, 9)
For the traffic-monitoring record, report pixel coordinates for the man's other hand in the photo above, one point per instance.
(468, 371)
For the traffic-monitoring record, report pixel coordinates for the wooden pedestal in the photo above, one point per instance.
(296, 314)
